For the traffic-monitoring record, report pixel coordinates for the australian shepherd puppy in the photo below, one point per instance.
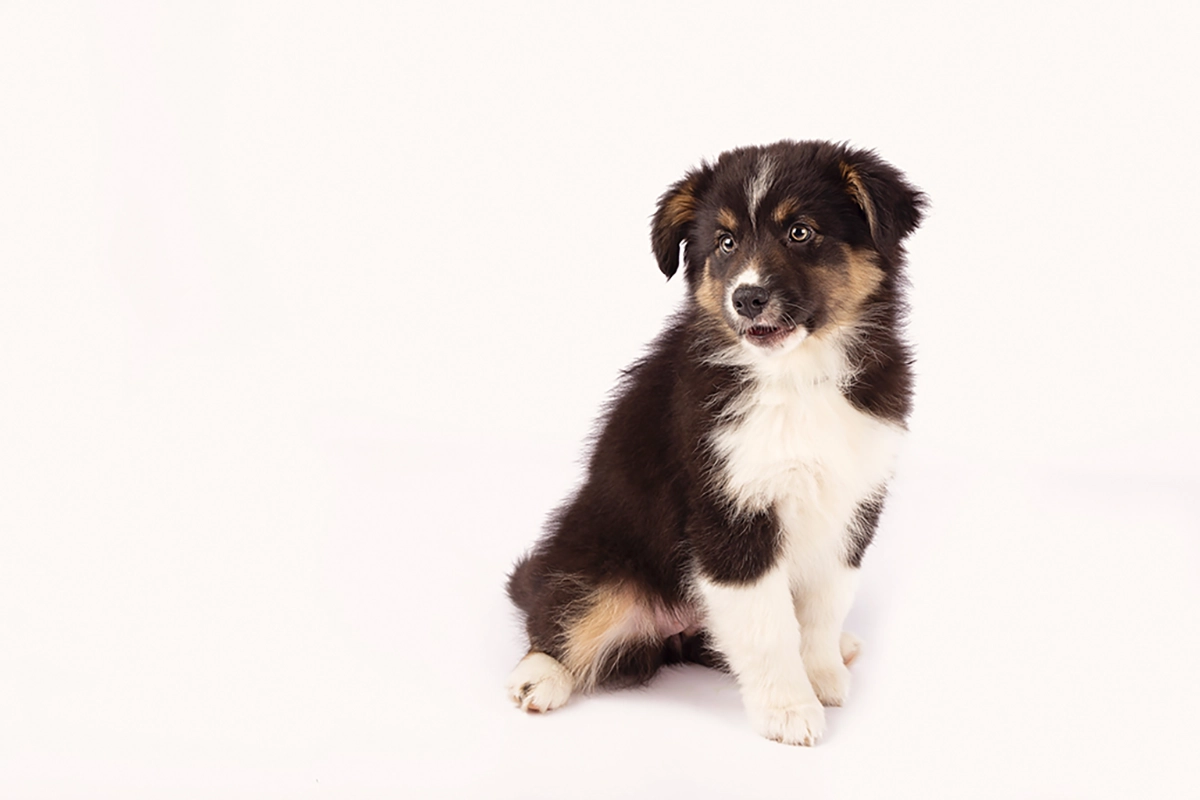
(743, 464)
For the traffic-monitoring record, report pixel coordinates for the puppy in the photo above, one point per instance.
(742, 467)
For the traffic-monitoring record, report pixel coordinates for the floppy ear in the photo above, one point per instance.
(893, 208)
(676, 212)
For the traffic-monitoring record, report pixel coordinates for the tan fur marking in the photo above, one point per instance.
(614, 616)
(680, 209)
(848, 286)
(710, 296)
(786, 209)
(727, 220)
(859, 192)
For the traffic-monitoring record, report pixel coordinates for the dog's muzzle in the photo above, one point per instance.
(757, 322)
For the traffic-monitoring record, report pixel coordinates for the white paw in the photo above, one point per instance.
(850, 646)
(801, 724)
(539, 683)
(831, 682)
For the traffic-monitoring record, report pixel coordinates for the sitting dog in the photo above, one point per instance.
(742, 467)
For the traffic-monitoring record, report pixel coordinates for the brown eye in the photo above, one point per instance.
(800, 232)
(726, 243)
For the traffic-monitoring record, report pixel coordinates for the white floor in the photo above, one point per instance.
(1028, 635)
(306, 305)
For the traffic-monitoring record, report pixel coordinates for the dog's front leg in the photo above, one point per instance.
(754, 626)
(821, 607)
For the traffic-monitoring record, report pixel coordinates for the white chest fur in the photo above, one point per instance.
(794, 443)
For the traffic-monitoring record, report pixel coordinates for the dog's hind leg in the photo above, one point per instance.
(850, 647)
(540, 683)
(607, 635)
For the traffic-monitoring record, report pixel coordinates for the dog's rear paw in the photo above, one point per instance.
(831, 683)
(801, 724)
(539, 683)
(850, 646)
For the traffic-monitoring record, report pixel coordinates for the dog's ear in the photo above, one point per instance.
(676, 212)
(893, 208)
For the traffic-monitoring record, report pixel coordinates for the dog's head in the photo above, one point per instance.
(788, 240)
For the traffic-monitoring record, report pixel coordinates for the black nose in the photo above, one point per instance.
(749, 301)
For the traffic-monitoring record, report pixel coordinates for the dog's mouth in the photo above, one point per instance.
(767, 335)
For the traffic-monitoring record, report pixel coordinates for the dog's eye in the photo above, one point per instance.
(800, 232)
(726, 243)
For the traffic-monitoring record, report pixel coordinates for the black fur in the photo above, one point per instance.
(862, 530)
(651, 508)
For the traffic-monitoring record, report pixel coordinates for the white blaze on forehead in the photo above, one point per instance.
(758, 184)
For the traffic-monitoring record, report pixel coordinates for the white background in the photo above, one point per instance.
(306, 310)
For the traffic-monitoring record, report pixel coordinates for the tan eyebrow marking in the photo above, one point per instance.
(727, 220)
(786, 209)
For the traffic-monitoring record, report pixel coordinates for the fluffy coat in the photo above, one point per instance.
(742, 468)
